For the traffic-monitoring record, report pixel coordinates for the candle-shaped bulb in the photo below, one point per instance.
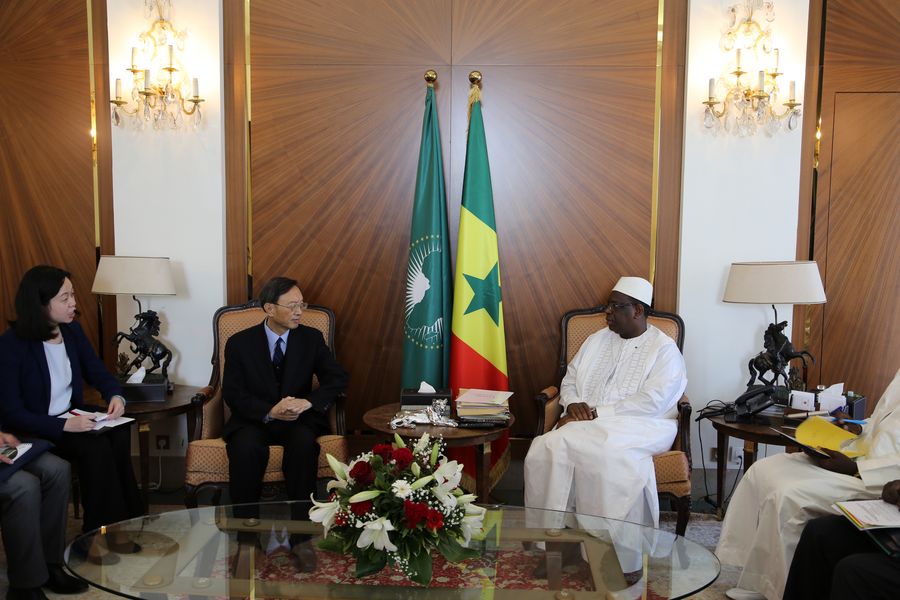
(776, 60)
(737, 54)
(196, 86)
(171, 55)
(793, 91)
(147, 80)
(134, 57)
(712, 87)
(118, 89)
(762, 81)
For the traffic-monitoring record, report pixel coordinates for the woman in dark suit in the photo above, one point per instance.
(44, 359)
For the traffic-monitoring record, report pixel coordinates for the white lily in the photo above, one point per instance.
(323, 512)
(472, 522)
(339, 468)
(336, 484)
(375, 533)
(444, 495)
(464, 499)
(422, 444)
(448, 475)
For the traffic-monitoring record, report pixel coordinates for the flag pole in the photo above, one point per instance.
(430, 77)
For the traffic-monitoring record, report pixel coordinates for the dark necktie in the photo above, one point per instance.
(278, 358)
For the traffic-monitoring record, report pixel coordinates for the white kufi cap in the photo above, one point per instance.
(636, 287)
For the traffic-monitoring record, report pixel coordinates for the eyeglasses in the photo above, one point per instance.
(294, 307)
(617, 305)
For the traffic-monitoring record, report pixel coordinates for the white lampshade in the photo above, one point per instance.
(788, 282)
(134, 275)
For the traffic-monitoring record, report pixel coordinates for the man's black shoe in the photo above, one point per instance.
(25, 594)
(63, 583)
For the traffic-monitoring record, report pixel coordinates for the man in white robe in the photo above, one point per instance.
(779, 494)
(620, 397)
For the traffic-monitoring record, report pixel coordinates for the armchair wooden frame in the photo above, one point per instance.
(673, 468)
(206, 462)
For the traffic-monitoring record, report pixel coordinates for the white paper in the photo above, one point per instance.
(424, 388)
(488, 397)
(831, 402)
(21, 449)
(873, 513)
(836, 388)
(100, 419)
(138, 376)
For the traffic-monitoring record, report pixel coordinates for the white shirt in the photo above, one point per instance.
(60, 378)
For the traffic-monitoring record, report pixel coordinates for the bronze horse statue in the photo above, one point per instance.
(779, 351)
(144, 345)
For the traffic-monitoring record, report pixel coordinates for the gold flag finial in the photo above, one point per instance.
(430, 77)
(474, 89)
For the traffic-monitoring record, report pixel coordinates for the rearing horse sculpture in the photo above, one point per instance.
(144, 345)
(779, 351)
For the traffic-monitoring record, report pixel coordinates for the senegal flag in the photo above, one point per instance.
(478, 344)
(426, 329)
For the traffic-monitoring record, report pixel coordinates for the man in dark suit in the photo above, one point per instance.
(268, 385)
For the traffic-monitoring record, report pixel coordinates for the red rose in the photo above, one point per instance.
(340, 519)
(415, 513)
(434, 520)
(403, 457)
(361, 508)
(362, 473)
(383, 450)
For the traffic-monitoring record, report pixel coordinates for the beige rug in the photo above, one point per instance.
(702, 529)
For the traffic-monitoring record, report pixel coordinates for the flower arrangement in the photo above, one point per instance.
(394, 505)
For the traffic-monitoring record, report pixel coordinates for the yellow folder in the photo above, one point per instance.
(819, 433)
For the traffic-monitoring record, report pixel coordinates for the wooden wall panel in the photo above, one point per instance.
(863, 250)
(46, 178)
(856, 213)
(564, 32)
(568, 99)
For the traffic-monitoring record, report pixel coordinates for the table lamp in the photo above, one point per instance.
(786, 282)
(139, 276)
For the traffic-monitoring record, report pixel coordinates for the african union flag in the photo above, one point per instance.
(477, 343)
(426, 328)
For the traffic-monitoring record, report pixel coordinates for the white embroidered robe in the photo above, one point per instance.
(779, 494)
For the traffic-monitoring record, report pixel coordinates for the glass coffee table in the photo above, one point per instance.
(526, 553)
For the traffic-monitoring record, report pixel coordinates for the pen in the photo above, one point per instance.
(854, 421)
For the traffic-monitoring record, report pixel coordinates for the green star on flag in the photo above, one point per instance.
(487, 293)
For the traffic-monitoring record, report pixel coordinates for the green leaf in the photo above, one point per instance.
(420, 564)
(434, 453)
(453, 551)
(367, 563)
(399, 441)
(331, 544)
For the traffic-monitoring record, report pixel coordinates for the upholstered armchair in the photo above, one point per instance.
(673, 468)
(206, 463)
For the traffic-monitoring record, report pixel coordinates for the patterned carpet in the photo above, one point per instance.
(703, 529)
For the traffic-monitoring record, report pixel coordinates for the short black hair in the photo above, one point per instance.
(274, 289)
(39, 285)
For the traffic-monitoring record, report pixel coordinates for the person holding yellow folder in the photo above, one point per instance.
(779, 494)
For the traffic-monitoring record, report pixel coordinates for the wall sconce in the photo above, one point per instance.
(751, 93)
(159, 80)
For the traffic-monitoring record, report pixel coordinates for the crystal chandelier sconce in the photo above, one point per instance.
(160, 84)
(751, 97)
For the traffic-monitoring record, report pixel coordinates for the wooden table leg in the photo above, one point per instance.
(721, 453)
(749, 454)
(144, 446)
(483, 471)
